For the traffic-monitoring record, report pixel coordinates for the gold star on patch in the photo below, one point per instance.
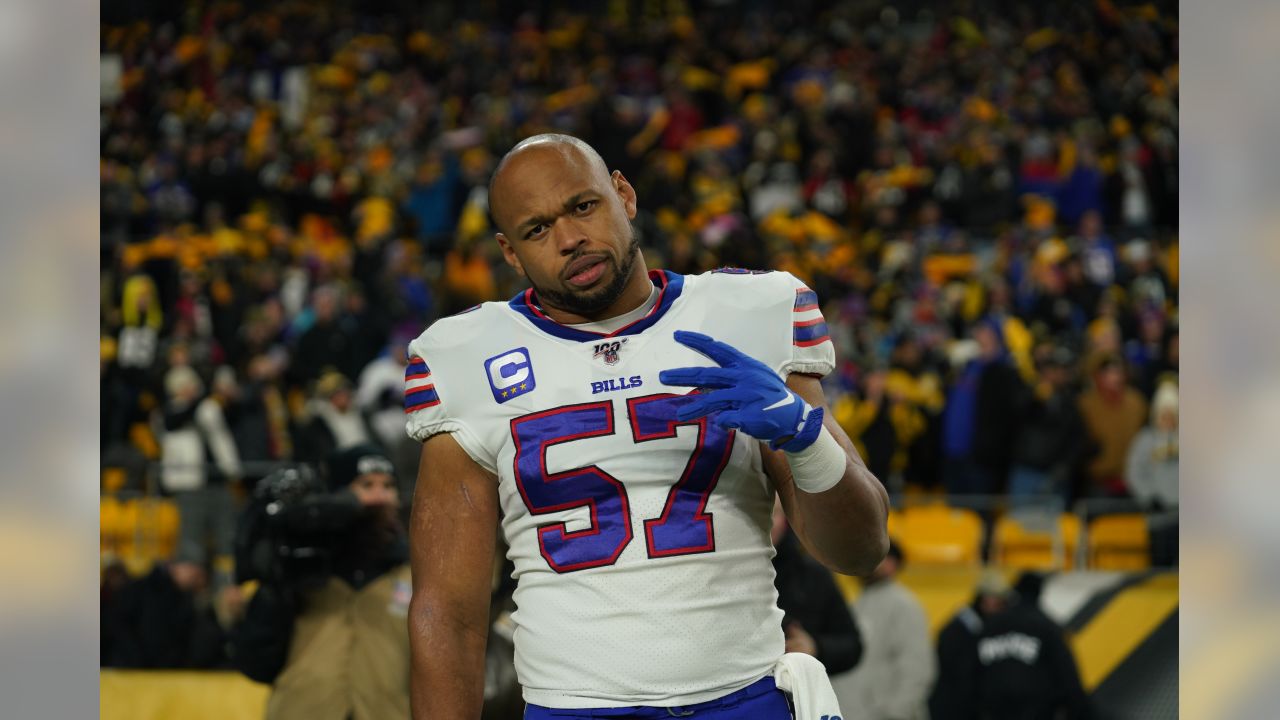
(524, 386)
(504, 393)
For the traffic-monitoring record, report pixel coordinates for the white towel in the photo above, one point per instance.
(805, 679)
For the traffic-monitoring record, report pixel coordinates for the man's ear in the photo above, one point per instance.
(625, 192)
(509, 253)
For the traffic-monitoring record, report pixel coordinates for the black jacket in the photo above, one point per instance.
(999, 389)
(1051, 436)
(954, 696)
(151, 623)
(1025, 669)
(808, 595)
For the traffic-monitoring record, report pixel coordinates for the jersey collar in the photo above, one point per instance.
(669, 286)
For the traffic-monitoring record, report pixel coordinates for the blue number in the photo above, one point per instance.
(684, 528)
(543, 493)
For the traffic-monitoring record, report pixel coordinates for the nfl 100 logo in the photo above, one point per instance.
(608, 351)
(510, 374)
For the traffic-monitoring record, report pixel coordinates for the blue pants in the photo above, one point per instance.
(1026, 481)
(761, 700)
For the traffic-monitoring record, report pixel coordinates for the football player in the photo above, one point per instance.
(630, 428)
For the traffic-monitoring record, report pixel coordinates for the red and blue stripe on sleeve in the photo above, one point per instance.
(808, 328)
(419, 388)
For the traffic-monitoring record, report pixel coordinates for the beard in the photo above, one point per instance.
(591, 302)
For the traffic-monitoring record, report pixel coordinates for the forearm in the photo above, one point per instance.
(451, 547)
(447, 661)
(843, 527)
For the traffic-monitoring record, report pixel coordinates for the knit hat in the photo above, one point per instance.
(347, 465)
(1165, 399)
(993, 582)
(330, 383)
(181, 378)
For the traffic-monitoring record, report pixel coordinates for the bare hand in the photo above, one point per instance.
(798, 640)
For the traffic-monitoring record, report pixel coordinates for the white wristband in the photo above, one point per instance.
(820, 466)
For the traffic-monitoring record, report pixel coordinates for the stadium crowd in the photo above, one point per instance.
(983, 195)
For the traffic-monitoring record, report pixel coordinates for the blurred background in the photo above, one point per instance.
(983, 194)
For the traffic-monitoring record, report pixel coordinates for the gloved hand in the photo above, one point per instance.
(744, 394)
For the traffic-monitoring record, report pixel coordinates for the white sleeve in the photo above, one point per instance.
(427, 409)
(914, 663)
(1137, 463)
(812, 352)
(368, 387)
(222, 445)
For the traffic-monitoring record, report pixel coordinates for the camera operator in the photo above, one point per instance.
(327, 624)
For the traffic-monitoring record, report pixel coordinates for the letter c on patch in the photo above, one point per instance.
(510, 374)
(510, 369)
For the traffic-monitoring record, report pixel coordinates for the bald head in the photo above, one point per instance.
(564, 222)
(572, 149)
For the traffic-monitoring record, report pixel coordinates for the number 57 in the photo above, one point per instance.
(683, 528)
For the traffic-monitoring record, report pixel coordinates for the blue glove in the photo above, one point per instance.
(744, 394)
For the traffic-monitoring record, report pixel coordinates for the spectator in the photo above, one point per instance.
(334, 644)
(913, 372)
(868, 421)
(262, 432)
(335, 422)
(1145, 354)
(1025, 668)
(1148, 285)
(1152, 465)
(817, 621)
(116, 397)
(431, 200)
(163, 620)
(200, 460)
(955, 694)
(1050, 441)
(380, 391)
(897, 667)
(1152, 474)
(380, 397)
(142, 318)
(1113, 414)
(1097, 251)
(328, 342)
(978, 422)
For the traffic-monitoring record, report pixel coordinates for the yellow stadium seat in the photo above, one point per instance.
(156, 528)
(127, 540)
(1119, 542)
(139, 531)
(159, 520)
(940, 535)
(110, 524)
(1025, 545)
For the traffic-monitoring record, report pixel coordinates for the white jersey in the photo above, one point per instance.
(640, 543)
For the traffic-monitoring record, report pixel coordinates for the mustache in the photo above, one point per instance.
(576, 256)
